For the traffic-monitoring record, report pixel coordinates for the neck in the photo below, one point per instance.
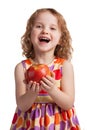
(44, 60)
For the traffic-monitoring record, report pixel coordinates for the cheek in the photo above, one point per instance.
(57, 37)
(33, 35)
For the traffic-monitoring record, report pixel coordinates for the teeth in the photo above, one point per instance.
(44, 39)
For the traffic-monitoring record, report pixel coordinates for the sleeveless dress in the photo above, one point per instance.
(44, 114)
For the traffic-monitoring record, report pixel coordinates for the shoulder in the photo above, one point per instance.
(24, 64)
(19, 72)
(67, 63)
(67, 67)
(63, 62)
(18, 67)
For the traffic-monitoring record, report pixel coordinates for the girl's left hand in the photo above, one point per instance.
(48, 83)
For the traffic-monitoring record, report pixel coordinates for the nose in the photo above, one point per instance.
(45, 30)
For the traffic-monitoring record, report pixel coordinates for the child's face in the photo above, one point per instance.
(45, 33)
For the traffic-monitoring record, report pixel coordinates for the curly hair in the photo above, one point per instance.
(62, 50)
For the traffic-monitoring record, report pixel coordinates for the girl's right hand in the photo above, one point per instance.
(33, 87)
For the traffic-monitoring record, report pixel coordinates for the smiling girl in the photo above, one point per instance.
(50, 104)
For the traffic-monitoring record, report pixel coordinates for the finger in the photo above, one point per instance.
(33, 86)
(37, 88)
(29, 85)
(44, 85)
(48, 80)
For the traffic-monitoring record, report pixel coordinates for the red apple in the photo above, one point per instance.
(36, 71)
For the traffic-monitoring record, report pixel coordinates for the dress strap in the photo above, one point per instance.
(24, 64)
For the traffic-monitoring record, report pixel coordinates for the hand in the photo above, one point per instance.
(48, 83)
(33, 87)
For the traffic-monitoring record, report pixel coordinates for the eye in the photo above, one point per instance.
(38, 26)
(53, 28)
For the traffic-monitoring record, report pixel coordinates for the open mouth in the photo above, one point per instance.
(44, 39)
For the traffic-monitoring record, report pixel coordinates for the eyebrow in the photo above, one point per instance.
(42, 23)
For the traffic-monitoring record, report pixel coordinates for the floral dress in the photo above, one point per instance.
(44, 114)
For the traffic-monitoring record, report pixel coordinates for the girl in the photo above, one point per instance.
(50, 104)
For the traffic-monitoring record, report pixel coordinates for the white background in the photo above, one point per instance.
(13, 18)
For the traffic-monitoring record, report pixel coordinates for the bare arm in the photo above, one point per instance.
(65, 97)
(24, 98)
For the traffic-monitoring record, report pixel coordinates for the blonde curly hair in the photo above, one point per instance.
(62, 50)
